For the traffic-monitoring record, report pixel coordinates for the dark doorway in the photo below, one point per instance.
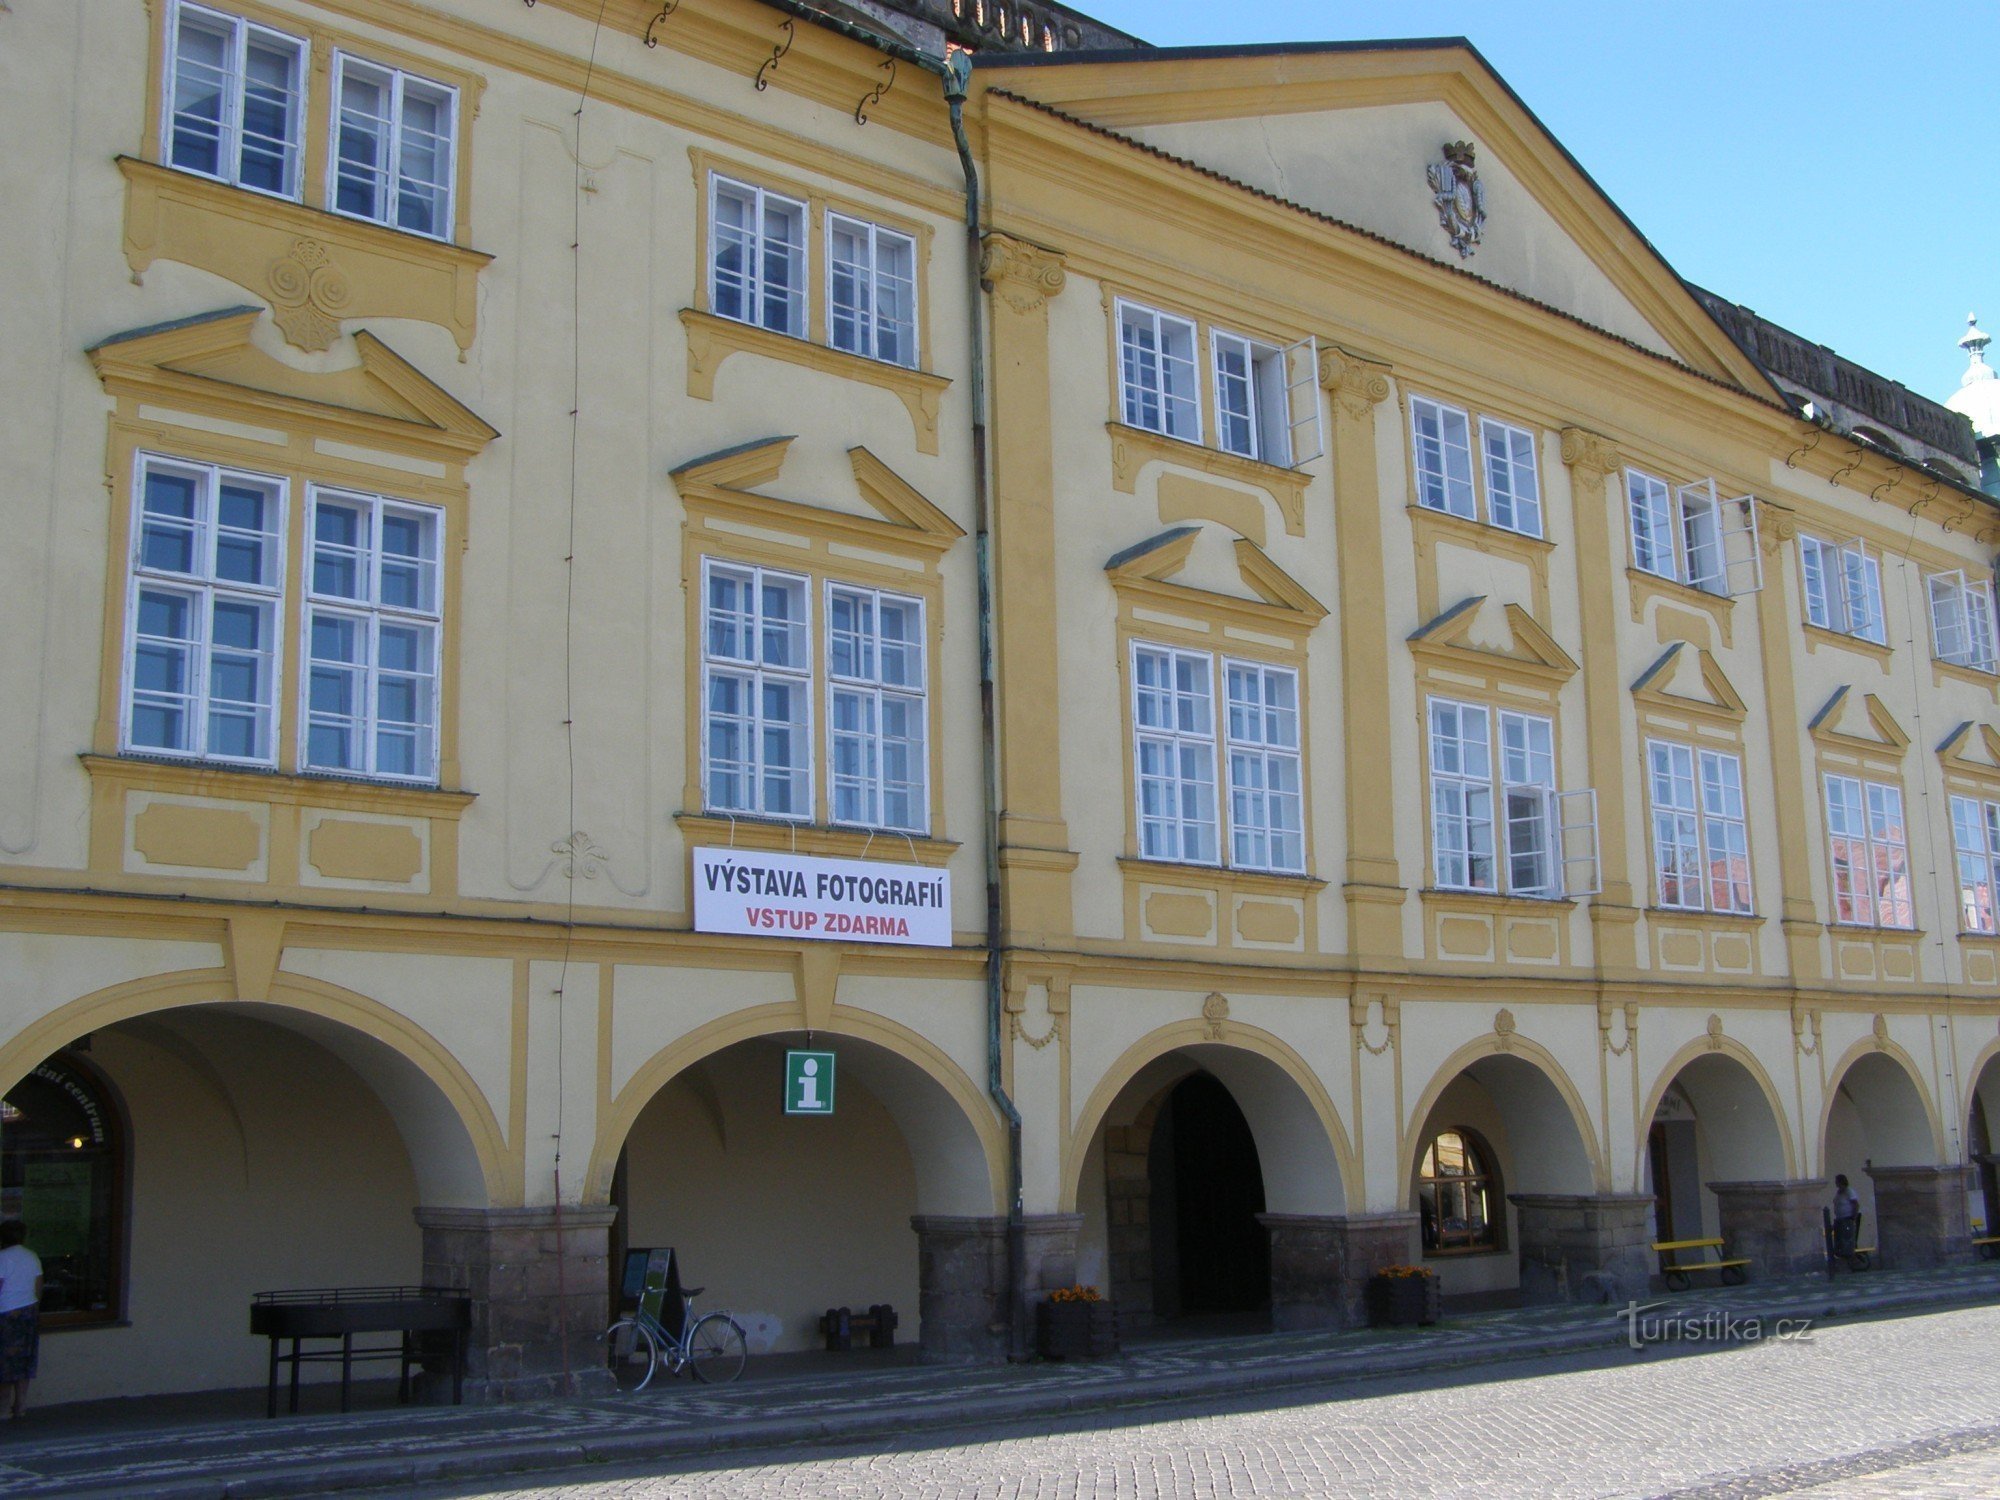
(1979, 1147)
(1210, 1254)
(1663, 1190)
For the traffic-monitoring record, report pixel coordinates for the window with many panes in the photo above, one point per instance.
(757, 258)
(1262, 411)
(392, 143)
(1175, 744)
(373, 616)
(1687, 534)
(1701, 843)
(207, 614)
(872, 290)
(759, 667)
(1252, 410)
(1962, 621)
(235, 100)
(1158, 380)
(1507, 492)
(1496, 816)
(1871, 865)
(1457, 1191)
(1975, 837)
(207, 585)
(1843, 588)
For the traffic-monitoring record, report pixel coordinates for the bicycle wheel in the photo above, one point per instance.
(631, 1353)
(717, 1349)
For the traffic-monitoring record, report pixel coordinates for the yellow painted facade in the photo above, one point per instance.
(495, 954)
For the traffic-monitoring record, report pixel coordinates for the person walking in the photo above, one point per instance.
(20, 1316)
(1846, 1217)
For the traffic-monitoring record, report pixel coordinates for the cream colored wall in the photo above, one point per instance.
(1365, 167)
(258, 1162)
(778, 1217)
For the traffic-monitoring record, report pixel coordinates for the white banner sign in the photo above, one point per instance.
(798, 896)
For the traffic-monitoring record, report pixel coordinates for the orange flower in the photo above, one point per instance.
(1076, 1294)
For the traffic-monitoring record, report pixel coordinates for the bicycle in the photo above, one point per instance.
(713, 1346)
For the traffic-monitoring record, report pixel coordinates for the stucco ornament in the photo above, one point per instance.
(1215, 1011)
(1461, 201)
(310, 294)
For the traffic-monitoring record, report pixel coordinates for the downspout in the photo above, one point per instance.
(957, 78)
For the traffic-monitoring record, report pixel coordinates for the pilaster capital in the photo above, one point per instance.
(1024, 275)
(1592, 455)
(1357, 385)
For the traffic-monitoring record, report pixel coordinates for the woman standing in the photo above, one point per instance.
(20, 1316)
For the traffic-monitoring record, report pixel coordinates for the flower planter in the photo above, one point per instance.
(1076, 1330)
(1403, 1301)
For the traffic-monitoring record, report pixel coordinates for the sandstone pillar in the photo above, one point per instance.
(1776, 1224)
(1920, 1215)
(1584, 1247)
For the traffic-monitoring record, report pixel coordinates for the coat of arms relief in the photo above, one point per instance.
(1461, 201)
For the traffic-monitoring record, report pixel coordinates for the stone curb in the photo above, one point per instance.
(1339, 1368)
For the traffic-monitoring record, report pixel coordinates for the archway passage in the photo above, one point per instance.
(782, 1216)
(1210, 1255)
(170, 1165)
(1876, 1125)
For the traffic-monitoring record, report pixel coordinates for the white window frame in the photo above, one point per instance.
(1442, 485)
(1267, 418)
(1257, 748)
(1177, 743)
(1962, 627)
(756, 254)
(1883, 838)
(868, 280)
(233, 89)
(1692, 832)
(1459, 473)
(1975, 839)
(399, 83)
(1133, 394)
(1687, 535)
(753, 671)
(875, 690)
(202, 588)
(1842, 584)
(1516, 801)
(1521, 456)
(369, 610)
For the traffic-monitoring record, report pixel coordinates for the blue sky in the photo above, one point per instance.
(1830, 165)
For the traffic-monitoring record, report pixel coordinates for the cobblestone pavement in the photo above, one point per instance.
(1906, 1407)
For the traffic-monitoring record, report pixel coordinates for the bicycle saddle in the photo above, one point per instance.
(689, 1293)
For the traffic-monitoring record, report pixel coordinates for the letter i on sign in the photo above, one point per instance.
(809, 1080)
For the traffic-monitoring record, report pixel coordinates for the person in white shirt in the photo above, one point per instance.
(20, 1316)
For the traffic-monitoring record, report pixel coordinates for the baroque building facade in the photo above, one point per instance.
(1215, 626)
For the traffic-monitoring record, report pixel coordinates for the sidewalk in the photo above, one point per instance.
(206, 1446)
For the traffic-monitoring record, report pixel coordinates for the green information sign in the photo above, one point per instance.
(808, 1083)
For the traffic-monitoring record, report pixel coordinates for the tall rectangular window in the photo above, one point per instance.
(757, 257)
(872, 290)
(1468, 782)
(1156, 372)
(1252, 412)
(201, 657)
(1652, 508)
(1443, 439)
(393, 134)
(1975, 837)
(1962, 621)
(1173, 721)
(878, 770)
(235, 101)
(373, 615)
(1871, 868)
(1513, 486)
(1701, 843)
(1266, 795)
(756, 691)
(1843, 588)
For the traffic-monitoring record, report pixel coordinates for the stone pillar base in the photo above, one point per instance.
(962, 1281)
(1320, 1265)
(539, 1296)
(1920, 1217)
(1584, 1247)
(1776, 1224)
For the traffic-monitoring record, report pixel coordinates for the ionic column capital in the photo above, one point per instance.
(1025, 275)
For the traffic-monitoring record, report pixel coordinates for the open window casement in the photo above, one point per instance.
(1305, 428)
(1579, 868)
(1962, 621)
(1531, 867)
(1843, 588)
(1718, 540)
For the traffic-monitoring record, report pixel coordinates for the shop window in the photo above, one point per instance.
(1458, 1194)
(62, 1173)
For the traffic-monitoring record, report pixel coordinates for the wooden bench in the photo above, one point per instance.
(1679, 1272)
(1988, 1246)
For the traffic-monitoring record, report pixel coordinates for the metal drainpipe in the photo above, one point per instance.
(957, 77)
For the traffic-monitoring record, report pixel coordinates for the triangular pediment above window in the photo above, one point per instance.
(1972, 752)
(1149, 568)
(211, 364)
(1859, 723)
(728, 481)
(1685, 679)
(1482, 633)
